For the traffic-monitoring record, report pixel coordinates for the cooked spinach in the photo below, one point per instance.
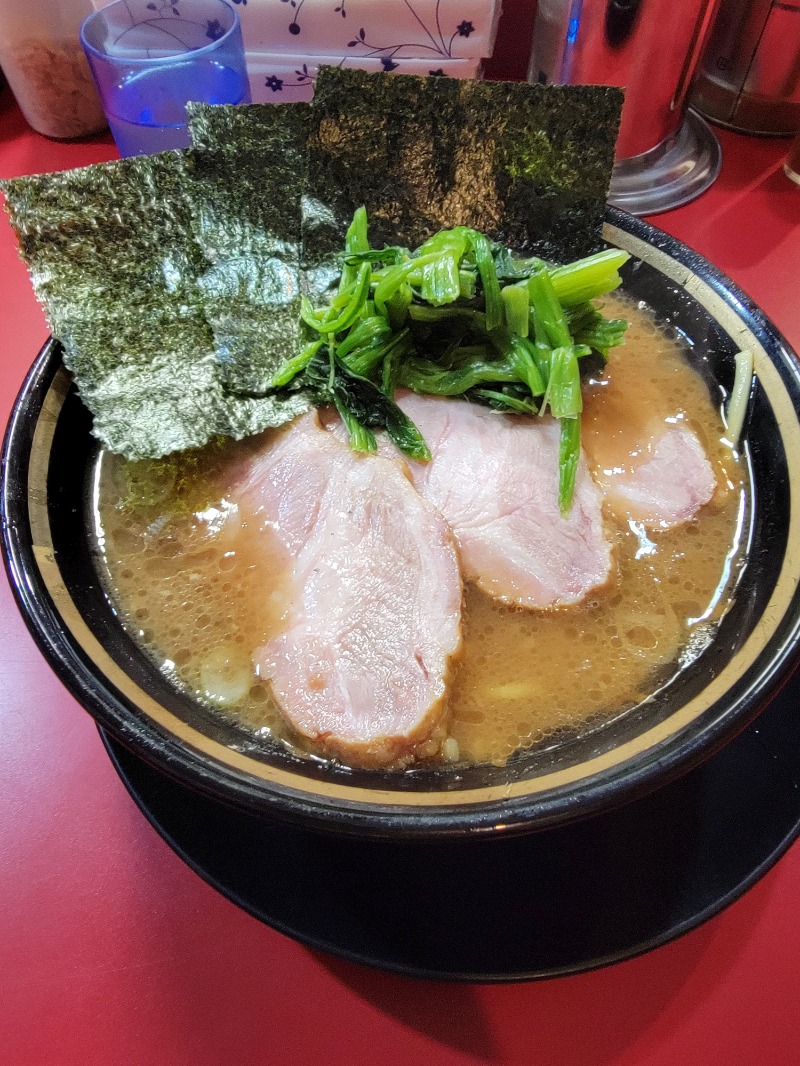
(402, 320)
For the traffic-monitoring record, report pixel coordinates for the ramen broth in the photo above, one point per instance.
(187, 577)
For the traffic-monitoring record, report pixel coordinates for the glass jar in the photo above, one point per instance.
(44, 65)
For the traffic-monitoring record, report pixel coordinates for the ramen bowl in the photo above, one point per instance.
(49, 456)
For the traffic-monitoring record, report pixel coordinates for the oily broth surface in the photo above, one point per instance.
(183, 569)
(529, 675)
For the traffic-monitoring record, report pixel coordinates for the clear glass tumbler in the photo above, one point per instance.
(150, 58)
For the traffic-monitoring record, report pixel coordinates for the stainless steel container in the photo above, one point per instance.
(652, 49)
(749, 77)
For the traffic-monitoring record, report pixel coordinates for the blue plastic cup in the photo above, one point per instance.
(149, 58)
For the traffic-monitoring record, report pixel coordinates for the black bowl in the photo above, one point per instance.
(47, 457)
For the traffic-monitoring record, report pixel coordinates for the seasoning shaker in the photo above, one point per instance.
(44, 65)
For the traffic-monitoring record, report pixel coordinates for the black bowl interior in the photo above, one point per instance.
(362, 805)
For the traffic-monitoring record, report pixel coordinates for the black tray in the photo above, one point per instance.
(551, 903)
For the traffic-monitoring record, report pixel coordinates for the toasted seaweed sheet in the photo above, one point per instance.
(248, 171)
(528, 165)
(173, 280)
(90, 234)
(114, 261)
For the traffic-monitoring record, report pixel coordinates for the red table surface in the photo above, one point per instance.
(113, 952)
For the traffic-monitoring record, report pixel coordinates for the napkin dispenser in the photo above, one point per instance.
(286, 43)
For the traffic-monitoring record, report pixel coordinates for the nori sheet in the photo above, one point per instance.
(529, 165)
(90, 234)
(173, 280)
(113, 259)
(248, 170)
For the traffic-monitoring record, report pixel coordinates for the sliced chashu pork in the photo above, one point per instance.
(664, 483)
(374, 595)
(494, 477)
(652, 470)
